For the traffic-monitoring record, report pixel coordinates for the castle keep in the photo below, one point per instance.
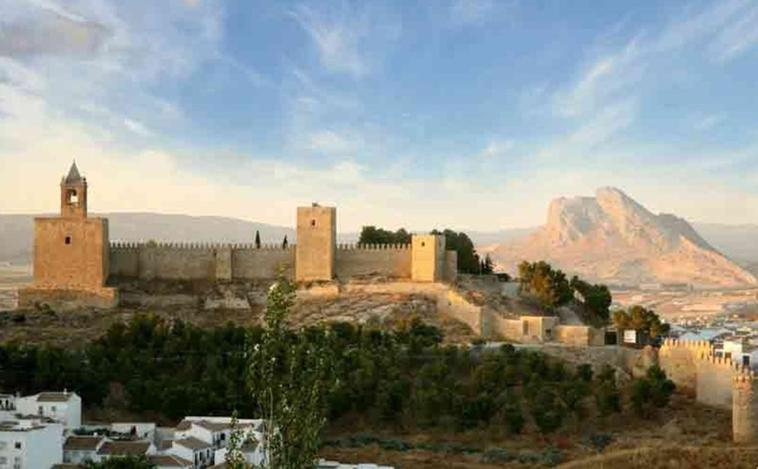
(74, 259)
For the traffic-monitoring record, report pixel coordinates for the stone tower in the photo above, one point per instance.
(744, 407)
(428, 258)
(316, 243)
(74, 194)
(71, 252)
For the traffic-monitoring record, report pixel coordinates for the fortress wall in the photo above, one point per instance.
(525, 329)
(124, 260)
(180, 261)
(457, 306)
(254, 264)
(382, 259)
(714, 381)
(679, 360)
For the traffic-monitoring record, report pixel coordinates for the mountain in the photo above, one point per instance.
(614, 239)
(16, 231)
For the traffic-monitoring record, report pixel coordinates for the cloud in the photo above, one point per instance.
(54, 33)
(348, 40)
(137, 127)
(708, 122)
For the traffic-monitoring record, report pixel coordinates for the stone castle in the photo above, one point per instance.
(74, 259)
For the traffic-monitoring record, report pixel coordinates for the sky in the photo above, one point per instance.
(470, 114)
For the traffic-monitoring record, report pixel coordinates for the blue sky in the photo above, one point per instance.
(464, 113)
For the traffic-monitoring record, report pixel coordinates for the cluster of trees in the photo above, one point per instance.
(374, 235)
(641, 319)
(552, 288)
(258, 244)
(405, 377)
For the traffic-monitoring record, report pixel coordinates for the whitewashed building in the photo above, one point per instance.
(80, 449)
(30, 444)
(65, 407)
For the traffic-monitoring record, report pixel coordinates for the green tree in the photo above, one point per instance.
(468, 259)
(549, 286)
(374, 235)
(596, 299)
(285, 243)
(235, 458)
(290, 377)
(127, 462)
(652, 391)
(257, 239)
(488, 267)
(640, 319)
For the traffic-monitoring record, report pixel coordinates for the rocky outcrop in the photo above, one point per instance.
(614, 239)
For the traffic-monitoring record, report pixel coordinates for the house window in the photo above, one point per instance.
(17, 445)
(68, 239)
(53, 408)
(40, 410)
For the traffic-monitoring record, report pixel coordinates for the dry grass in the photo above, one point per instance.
(672, 457)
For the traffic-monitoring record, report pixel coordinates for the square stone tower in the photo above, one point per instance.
(71, 252)
(427, 258)
(316, 243)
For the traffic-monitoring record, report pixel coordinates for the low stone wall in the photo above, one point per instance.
(457, 306)
(579, 335)
(525, 329)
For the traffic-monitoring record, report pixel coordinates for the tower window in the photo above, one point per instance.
(313, 222)
(68, 239)
(73, 197)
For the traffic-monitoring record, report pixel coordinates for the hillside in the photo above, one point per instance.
(612, 238)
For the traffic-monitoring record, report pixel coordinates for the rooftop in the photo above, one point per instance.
(124, 448)
(192, 443)
(82, 443)
(54, 396)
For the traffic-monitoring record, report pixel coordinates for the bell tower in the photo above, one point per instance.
(74, 194)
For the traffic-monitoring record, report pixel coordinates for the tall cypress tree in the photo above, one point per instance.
(257, 239)
(285, 243)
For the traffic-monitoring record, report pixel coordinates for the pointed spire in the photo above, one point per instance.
(73, 174)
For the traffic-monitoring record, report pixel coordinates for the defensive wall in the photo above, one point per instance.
(715, 381)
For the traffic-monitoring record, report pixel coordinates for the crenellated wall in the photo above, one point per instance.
(389, 260)
(199, 261)
(678, 358)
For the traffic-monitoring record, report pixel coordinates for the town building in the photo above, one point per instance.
(65, 407)
(30, 443)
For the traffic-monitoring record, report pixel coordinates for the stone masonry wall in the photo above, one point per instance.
(679, 360)
(392, 261)
(176, 261)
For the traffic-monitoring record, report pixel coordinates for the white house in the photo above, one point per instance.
(80, 449)
(193, 449)
(7, 402)
(65, 407)
(30, 444)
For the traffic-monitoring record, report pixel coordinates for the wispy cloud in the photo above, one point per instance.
(708, 122)
(348, 39)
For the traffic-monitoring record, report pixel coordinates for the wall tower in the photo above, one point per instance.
(71, 252)
(316, 243)
(428, 258)
(744, 407)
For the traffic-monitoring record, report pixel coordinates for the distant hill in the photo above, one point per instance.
(612, 238)
(16, 231)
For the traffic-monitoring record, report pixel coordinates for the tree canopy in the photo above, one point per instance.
(468, 259)
(640, 319)
(374, 235)
(597, 300)
(549, 286)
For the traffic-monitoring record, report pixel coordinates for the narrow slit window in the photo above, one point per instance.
(68, 239)
(313, 222)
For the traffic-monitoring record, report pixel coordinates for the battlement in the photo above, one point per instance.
(669, 343)
(720, 361)
(373, 247)
(132, 245)
(744, 376)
